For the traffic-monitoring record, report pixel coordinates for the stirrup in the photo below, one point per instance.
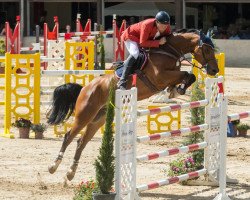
(122, 86)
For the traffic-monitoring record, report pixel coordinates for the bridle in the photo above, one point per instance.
(205, 66)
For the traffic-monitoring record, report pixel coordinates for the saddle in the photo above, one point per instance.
(139, 64)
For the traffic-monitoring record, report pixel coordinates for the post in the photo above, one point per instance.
(114, 37)
(100, 10)
(223, 138)
(21, 21)
(28, 17)
(125, 143)
(95, 53)
(179, 14)
(37, 36)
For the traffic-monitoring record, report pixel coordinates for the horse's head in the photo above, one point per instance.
(204, 53)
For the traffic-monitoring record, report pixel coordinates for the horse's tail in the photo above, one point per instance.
(63, 103)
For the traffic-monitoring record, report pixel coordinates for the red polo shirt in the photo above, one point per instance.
(143, 33)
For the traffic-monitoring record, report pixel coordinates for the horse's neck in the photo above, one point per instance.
(184, 43)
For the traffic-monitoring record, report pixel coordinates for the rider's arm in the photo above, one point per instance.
(144, 37)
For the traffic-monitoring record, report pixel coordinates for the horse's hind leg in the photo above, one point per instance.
(91, 129)
(69, 136)
(53, 167)
(84, 115)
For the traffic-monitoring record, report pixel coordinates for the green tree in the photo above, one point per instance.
(197, 118)
(101, 49)
(104, 164)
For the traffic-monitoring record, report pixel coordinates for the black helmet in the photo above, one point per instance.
(162, 17)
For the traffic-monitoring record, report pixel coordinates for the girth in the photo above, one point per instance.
(146, 81)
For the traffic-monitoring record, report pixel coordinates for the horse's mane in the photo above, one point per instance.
(184, 30)
(203, 37)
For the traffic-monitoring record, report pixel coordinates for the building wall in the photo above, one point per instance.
(236, 52)
(62, 10)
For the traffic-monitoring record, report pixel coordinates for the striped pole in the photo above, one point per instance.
(75, 72)
(175, 107)
(178, 132)
(87, 33)
(169, 152)
(172, 180)
(46, 59)
(237, 116)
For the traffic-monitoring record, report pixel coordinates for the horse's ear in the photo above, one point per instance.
(202, 36)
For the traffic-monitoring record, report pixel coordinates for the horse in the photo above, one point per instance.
(161, 71)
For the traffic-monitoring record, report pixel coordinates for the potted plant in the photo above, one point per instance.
(24, 127)
(104, 164)
(242, 129)
(38, 129)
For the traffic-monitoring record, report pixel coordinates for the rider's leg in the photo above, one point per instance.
(133, 50)
(126, 71)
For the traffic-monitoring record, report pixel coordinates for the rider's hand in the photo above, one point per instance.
(162, 41)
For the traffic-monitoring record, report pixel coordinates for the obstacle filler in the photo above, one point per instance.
(161, 98)
(26, 89)
(53, 44)
(12, 39)
(164, 121)
(214, 144)
(23, 92)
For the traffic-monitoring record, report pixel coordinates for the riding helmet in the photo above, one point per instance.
(162, 17)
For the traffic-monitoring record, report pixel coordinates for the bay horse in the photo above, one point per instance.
(161, 71)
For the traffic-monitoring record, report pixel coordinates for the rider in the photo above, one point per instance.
(143, 34)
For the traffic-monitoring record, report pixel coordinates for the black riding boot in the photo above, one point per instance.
(128, 64)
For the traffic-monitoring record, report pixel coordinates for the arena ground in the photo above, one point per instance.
(23, 163)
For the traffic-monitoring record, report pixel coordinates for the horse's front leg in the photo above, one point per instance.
(183, 78)
(91, 129)
(188, 80)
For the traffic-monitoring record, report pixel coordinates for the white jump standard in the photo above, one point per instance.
(214, 146)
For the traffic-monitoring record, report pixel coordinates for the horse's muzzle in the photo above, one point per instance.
(212, 71)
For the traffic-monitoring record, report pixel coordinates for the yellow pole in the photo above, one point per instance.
(37, 80)
(7, 116)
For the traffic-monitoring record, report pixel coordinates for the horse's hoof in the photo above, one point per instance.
(52, 168)
(70, 175)
(181, 91)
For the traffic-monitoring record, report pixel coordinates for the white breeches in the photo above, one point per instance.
(132, 48)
